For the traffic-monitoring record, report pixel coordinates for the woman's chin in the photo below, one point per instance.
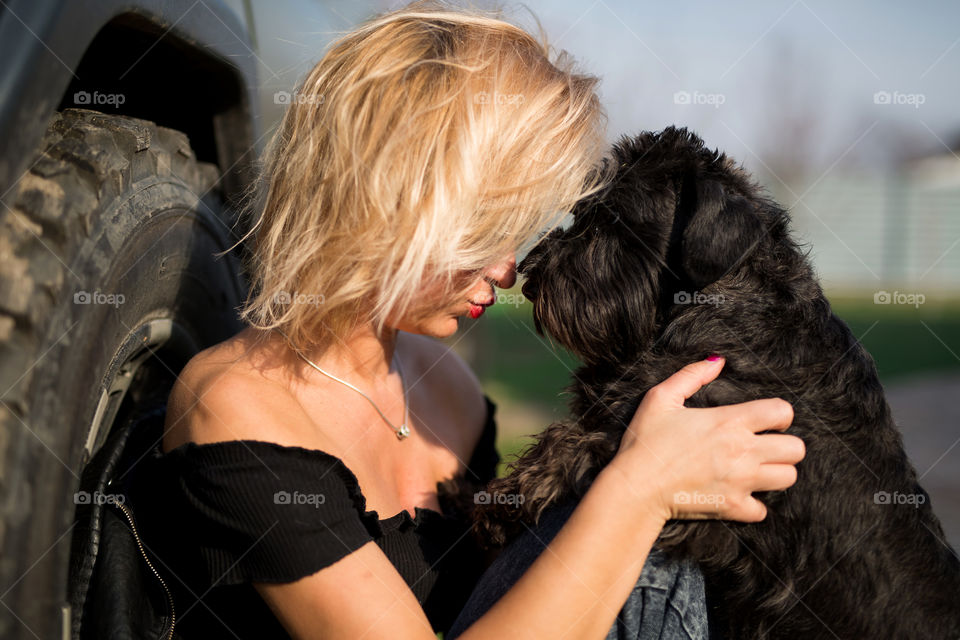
(439, 326)
(442, 327)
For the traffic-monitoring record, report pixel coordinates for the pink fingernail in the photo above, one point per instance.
(713, 357)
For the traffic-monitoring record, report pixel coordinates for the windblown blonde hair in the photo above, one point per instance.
(426, 143)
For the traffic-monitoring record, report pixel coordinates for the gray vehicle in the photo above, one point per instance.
(130, 131)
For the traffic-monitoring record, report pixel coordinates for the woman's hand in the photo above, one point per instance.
(707, 462)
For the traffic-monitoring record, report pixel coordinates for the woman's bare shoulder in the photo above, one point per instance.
(219, 395)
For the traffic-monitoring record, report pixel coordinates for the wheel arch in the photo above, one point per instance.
(186, 66)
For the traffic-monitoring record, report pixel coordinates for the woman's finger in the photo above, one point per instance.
(775, 477)
(765, 414)
(780, 448)
(751, 510)
(687, 381)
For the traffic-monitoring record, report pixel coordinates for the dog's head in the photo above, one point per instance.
(675, 218)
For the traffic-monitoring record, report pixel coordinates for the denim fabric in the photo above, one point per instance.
(668, 601)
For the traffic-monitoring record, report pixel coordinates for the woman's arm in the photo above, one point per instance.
(576, 587)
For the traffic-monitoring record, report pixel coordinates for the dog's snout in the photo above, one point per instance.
(528, 261)
(530, 289)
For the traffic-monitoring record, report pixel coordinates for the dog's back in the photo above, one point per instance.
(853, 550)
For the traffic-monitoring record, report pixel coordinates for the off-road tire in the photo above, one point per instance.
(108, 285)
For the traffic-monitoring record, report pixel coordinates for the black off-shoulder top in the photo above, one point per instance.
(220, 516)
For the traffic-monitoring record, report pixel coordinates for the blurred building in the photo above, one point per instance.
(899, 228)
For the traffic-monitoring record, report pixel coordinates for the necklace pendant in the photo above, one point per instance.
(402, 431)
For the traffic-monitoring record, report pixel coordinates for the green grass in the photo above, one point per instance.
(904, 340)
(526, 374)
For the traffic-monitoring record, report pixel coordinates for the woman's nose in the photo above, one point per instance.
(504, 273)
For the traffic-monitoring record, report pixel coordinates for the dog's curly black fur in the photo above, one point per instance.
(682, 256)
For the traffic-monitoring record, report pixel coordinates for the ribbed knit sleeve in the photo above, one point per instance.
(260, 512)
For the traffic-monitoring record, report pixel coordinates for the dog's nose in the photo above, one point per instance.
(530, 290)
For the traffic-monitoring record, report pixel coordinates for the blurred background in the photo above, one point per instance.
(848, 113)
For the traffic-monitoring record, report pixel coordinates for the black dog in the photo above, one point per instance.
(682, 256)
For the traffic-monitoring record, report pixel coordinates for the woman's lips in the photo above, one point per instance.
(477, 309)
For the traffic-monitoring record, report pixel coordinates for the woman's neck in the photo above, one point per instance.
(361, 356)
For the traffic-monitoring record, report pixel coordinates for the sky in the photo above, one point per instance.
(771, 63)
(789, 80)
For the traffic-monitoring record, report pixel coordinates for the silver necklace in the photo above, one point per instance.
(403, 430)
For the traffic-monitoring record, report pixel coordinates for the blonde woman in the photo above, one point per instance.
(317, 469)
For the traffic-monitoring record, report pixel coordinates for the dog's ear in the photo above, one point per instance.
(722, 228)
